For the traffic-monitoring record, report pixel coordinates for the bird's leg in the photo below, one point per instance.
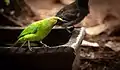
(29, 47)
(44, 44)
(20, 46)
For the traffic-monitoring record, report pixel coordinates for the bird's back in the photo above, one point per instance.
(39, 30)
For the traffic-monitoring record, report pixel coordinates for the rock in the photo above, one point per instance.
(47, 8)
(113, 45)
(103, 12)
(96, 30)
(67, 2)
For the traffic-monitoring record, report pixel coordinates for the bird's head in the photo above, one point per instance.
(82, 3)
(55, 19)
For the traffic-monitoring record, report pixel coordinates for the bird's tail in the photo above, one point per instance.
(15, 43)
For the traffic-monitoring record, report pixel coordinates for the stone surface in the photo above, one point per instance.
(103, 12)
(47, 8)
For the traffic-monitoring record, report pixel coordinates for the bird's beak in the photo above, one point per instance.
(61, 22)
(64, 21)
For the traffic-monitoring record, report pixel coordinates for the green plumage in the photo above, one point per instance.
(38, 30)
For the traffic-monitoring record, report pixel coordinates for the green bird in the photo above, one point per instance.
(37, 31)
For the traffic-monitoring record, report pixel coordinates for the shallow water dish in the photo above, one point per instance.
(59, 57)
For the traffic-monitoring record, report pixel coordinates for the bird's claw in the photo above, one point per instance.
(67, 29)
(44, 45)
(30, 49)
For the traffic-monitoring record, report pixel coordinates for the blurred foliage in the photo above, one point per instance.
(7, 2)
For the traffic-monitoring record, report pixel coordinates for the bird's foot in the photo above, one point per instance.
(44, 45)
(67, 29)
(29, 47)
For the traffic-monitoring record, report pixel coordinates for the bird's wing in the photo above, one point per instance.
(31, 29)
